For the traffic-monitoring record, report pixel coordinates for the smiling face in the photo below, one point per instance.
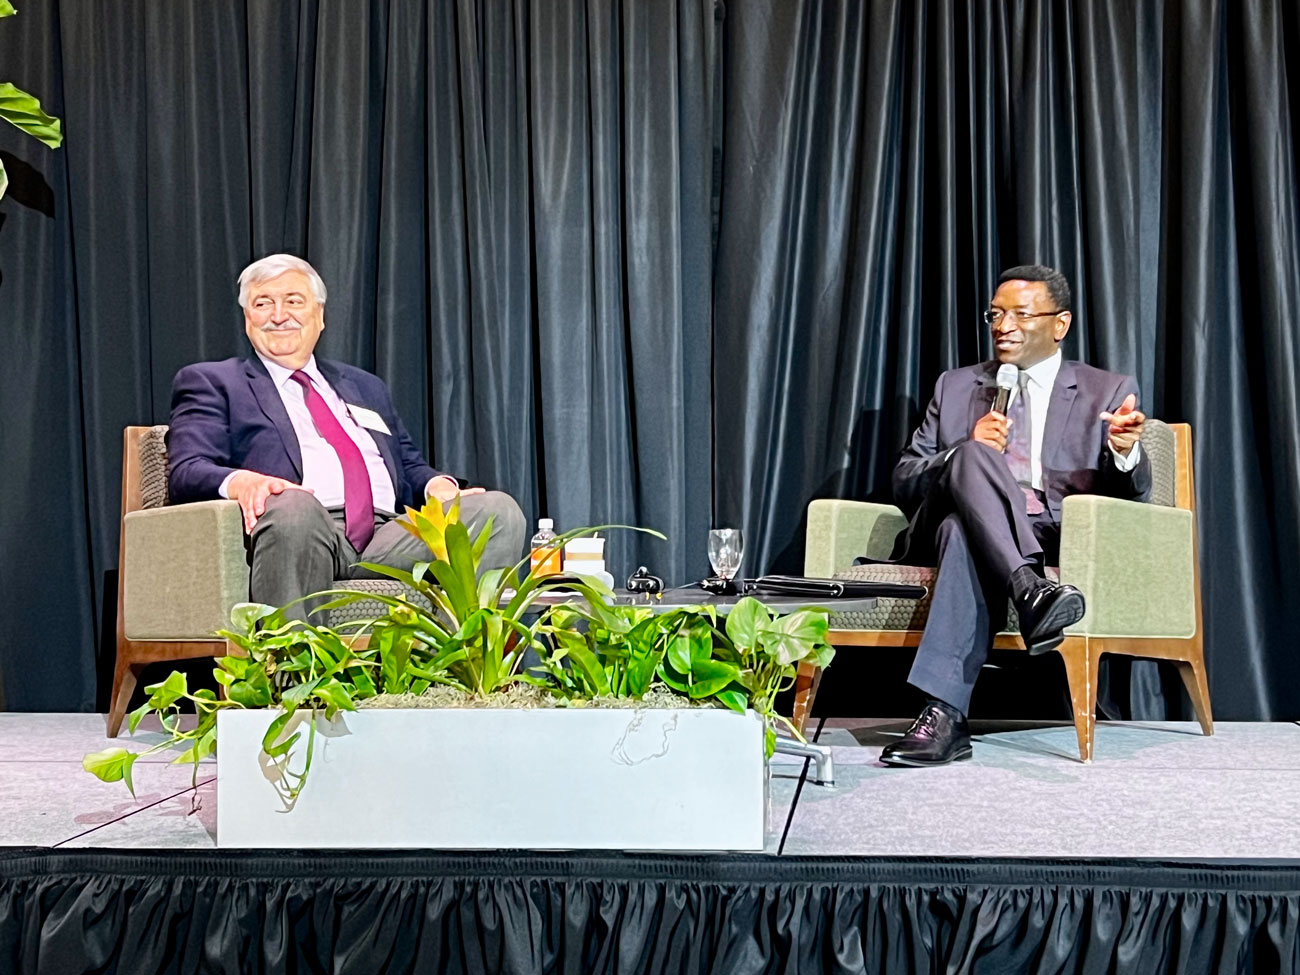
(283, 319)
(1031, 326)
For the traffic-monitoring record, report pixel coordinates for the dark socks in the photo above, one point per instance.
(1023, 581)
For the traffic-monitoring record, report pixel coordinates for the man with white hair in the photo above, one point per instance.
(313, 450)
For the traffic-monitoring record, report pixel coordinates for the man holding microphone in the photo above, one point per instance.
(983, 488)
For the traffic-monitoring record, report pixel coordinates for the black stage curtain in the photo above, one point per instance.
(346, 912)
(655, 262)
(883, 161)
(510, 203)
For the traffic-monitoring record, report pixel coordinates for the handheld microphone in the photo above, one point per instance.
(1008, 376)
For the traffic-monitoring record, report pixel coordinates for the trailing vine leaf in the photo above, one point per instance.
(6, 9)
(167, 692)
(252, 692)
(708, 677)
(734, 699)
(272, 747)
(244, 617)
(111, 765)
(135, 717)
(744, 620)
(201, 749)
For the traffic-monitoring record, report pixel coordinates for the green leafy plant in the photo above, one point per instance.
(769, 648)
(469, 632)
(478, 618)
(624, 648)
(291, 665)
(617, 654)
(24, 111)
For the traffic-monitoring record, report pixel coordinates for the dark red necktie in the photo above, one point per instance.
(358, 502)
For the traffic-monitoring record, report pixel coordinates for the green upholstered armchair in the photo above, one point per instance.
(181, 569)
(1105, 544)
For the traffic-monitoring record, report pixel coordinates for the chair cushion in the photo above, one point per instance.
(1161, 447)
(903, 614)
(153, 468)
(368, 609)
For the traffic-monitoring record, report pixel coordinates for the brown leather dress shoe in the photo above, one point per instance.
(938, 736)
(1045, 613)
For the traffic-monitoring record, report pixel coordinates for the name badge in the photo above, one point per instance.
(368, 419)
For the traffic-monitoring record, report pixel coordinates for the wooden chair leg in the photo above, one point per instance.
(1198, 689)
(125, 674)
(1081, 673)
(806, 682)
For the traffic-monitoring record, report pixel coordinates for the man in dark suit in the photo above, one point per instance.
(312, 450)
(984, 491)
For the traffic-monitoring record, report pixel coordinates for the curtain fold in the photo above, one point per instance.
(667, 263)
(510, 204)
(357, 911)
(1146, 149)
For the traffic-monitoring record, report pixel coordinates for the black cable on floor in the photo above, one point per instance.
(798, 790)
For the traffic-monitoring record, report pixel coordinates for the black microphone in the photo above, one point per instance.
(1008, 376)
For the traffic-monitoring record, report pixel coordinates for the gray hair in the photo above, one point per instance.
(272, 267)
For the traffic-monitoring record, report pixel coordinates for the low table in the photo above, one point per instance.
(684, 597)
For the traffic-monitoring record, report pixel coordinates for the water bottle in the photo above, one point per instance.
(545, 554)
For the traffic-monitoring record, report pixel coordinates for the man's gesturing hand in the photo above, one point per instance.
(251, 490)
(1125, 425)
(992, 430)
(445, 488)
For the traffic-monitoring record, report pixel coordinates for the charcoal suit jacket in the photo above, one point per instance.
(1076, 458)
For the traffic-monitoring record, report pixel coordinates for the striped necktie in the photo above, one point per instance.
(1019, 445)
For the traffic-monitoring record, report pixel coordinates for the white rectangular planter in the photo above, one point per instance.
(591, 778)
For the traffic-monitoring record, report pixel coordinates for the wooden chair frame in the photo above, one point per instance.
(1081, 654)
(134, 655)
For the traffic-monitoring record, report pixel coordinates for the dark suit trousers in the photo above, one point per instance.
(298, 546)
(974, 516)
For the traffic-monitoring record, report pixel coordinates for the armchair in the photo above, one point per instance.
(181, 569)
(1105, 543)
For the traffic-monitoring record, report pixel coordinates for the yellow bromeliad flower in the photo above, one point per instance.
(429, 524)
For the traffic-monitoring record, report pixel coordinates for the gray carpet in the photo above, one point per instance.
(1153, 790)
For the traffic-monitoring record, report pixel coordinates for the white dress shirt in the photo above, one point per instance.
(321, 470)
(1039, 380)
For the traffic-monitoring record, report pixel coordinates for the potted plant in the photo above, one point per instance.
(578, 751)
(24, 111)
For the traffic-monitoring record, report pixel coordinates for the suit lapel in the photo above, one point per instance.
(268, 398)
(983, 394)
(348, 392)
(1058, 415)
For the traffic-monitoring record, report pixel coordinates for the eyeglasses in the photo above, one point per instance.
(994, 316)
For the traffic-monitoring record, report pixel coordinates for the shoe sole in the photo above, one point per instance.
(961, 756)
(1067, 611)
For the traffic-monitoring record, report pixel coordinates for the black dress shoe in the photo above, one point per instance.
(938, 736)
(1045, 612)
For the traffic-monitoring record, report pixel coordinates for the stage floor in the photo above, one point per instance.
(1155, 790)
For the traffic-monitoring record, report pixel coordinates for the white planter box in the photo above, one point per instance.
(689, 779)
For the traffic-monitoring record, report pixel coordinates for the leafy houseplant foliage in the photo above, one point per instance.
(624, 648)
(24, 111)
(471, 636)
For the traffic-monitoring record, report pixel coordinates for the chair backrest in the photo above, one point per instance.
(1160, 442)
(144, 468)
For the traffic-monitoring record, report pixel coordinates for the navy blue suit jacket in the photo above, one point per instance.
(1076, 458)
(228, 416)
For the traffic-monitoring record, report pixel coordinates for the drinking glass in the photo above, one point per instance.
(725, 549)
